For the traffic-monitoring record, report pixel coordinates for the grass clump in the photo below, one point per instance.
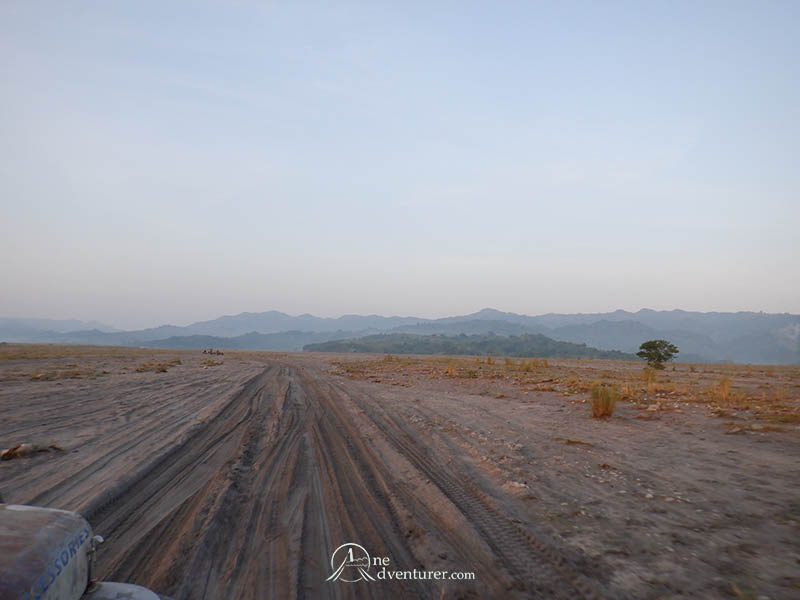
(603, 399)
(155, 366)
(787, 416)
(723, 390)
(534, 363)
(629, 392)
(649, 375)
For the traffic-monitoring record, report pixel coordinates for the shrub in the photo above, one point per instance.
(604, 398)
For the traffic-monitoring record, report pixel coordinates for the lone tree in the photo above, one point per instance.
(657, 352)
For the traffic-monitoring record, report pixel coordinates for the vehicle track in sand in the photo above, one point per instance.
(285, 465)
(534, 563)
(238, 480)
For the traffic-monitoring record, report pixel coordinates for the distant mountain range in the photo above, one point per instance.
(701, 337)
(11, 327)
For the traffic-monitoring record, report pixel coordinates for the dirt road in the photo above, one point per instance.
(239, 480)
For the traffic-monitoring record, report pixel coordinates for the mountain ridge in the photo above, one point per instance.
(744, 336)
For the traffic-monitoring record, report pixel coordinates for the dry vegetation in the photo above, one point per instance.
(48, 362)
(157, 366)
(52, 351)
(770, 394)
(766, 393)
(604, 398)
(53, 362)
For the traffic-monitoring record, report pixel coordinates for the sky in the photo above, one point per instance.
(169, 162)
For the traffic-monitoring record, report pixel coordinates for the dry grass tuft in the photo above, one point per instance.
(721, 392)
(629, 392)
(532, 364)
(157, 367)
(724, 389)
(604, 398)
(787, 416)
(649, 375)
(49, 374)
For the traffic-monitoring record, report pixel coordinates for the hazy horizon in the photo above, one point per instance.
(148, 325)
(175, 163)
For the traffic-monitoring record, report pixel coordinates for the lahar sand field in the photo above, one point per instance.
(238, 476)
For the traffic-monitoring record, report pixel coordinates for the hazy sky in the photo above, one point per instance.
(175, 161)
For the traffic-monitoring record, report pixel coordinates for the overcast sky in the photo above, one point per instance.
(175, 161)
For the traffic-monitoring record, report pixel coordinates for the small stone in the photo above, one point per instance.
(648, 496)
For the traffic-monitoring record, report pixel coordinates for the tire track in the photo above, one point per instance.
(534, 562)
(155, 490)
(251, 503)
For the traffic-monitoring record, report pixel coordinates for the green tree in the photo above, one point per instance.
(657, 352)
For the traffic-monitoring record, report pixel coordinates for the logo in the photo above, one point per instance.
(350, 563)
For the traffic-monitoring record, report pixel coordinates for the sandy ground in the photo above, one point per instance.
(239, 479)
